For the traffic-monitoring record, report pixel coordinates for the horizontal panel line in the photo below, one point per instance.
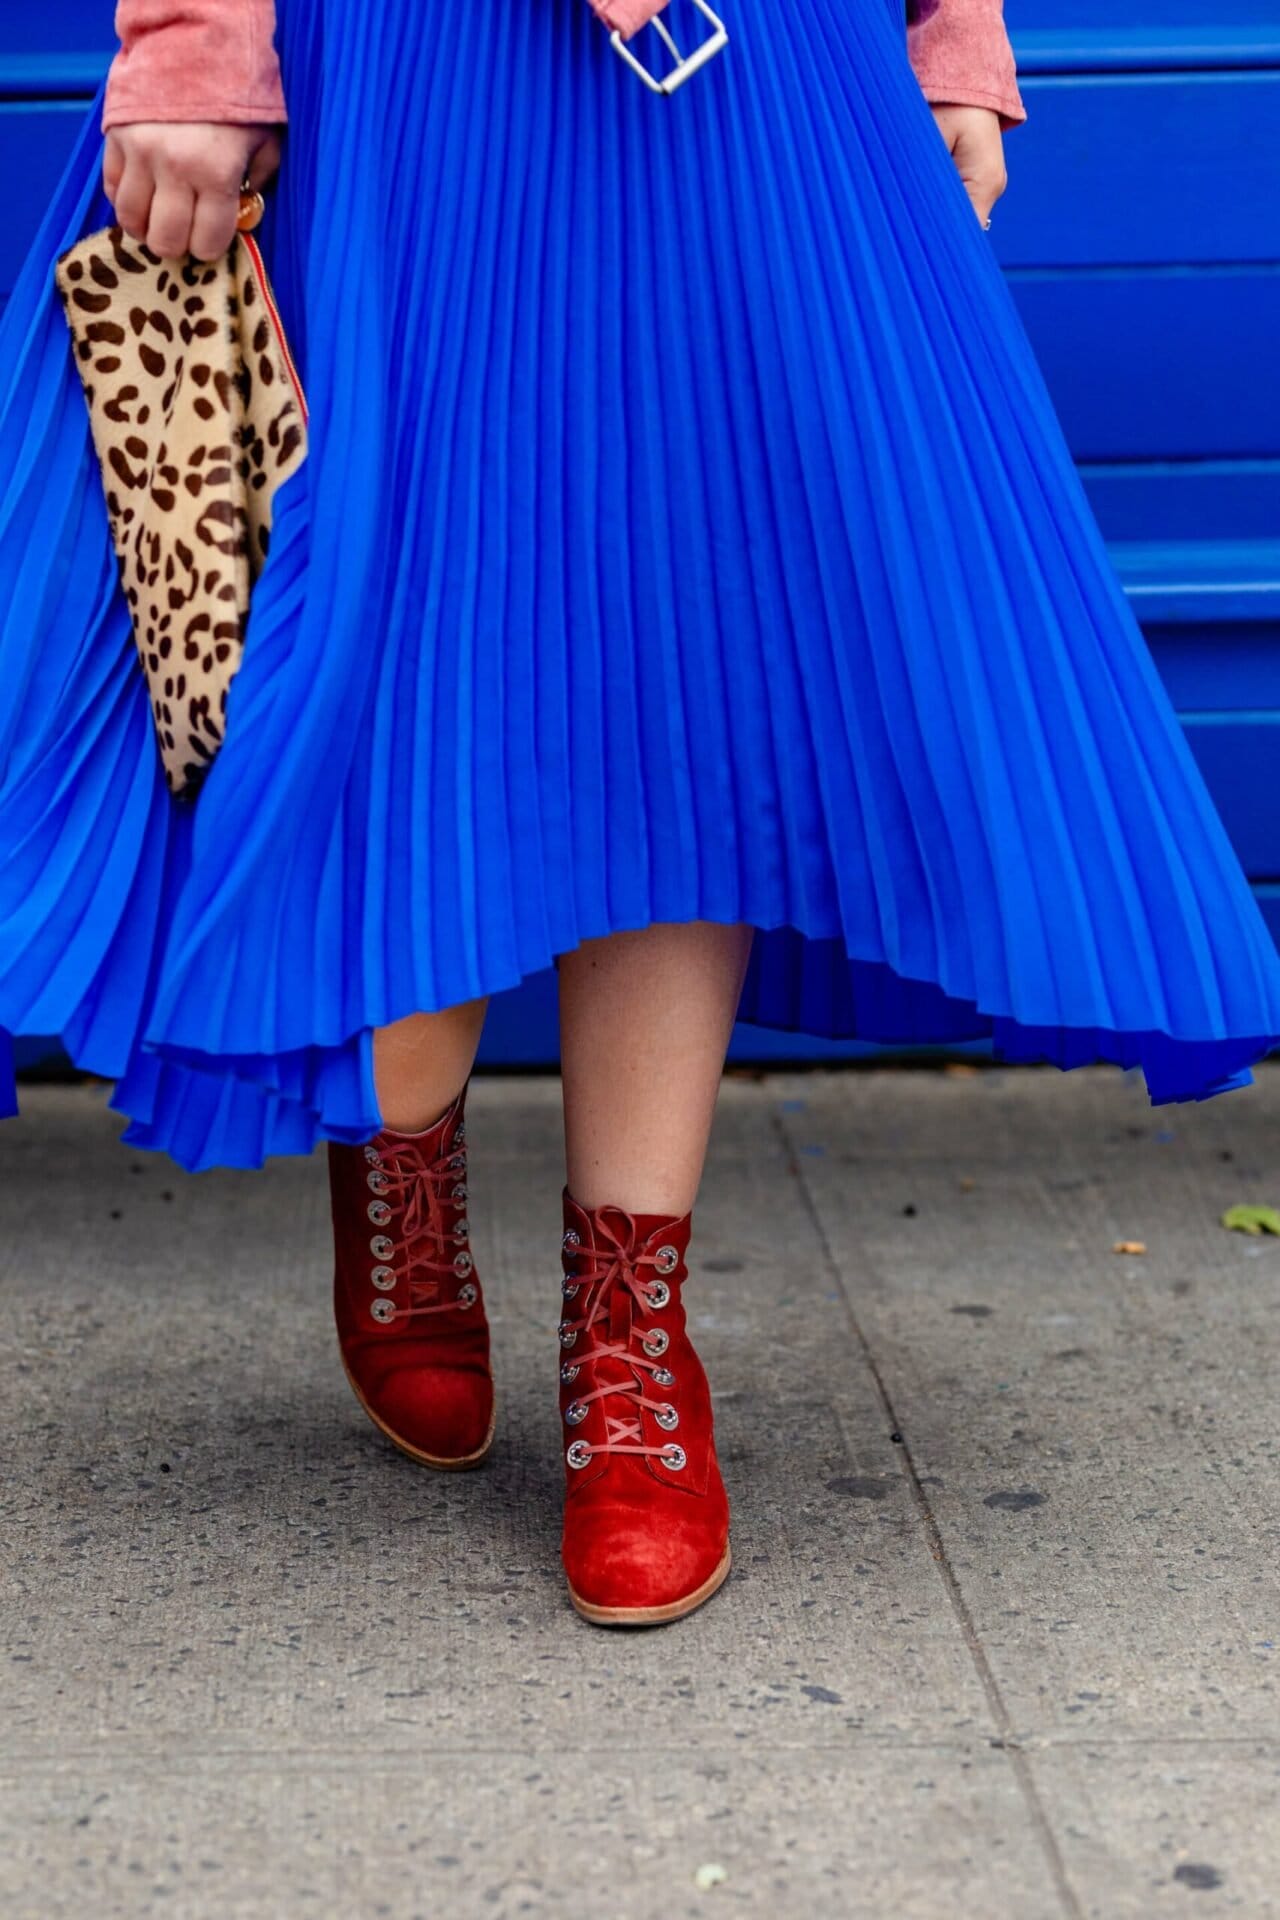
(1158, 74)
(60, 99)
(1044, 69)
(1210, 466)
(1231, 716)
(53, 72)
(1197, 270)
(1143, 49)
(1201, 589)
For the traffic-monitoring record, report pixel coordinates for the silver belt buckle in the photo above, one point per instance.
(685, 63)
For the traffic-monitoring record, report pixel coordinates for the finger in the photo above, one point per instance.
(169, 228)
(214, 224)
(986, 190)
(983, 198)
(265, 161)
(112, 166)
(983, 175)
(975, 202)
(992, 181)
(133, 196)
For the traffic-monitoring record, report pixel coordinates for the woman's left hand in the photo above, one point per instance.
(976, 144)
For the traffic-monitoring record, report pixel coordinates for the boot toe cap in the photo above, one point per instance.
(622, 1565)
(442, 1414)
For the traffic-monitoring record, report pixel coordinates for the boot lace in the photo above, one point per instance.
(418, 1196)
(610, 1268)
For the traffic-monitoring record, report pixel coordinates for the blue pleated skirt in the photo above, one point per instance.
(686, 533)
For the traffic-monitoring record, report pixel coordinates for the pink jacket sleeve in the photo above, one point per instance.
(216, 59)
(194, 60)
(961, 54)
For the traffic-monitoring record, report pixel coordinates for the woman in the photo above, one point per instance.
(687, 581)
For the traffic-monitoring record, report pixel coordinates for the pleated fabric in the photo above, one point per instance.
(686, 533)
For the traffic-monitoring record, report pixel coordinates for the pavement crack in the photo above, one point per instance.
(1005, 1738)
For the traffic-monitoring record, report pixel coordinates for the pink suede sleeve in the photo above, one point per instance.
(216, 60)
(194, 60)
(628, 16)
(961, 54)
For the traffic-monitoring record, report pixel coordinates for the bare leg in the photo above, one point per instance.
(421, 1063)
(645, 1019)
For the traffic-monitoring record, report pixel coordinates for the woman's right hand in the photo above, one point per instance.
(175, 184)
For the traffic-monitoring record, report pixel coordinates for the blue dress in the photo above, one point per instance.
(686, 533)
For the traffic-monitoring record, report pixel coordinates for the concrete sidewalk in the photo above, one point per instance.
(1001, 1636)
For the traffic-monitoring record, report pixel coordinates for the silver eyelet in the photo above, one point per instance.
(379, 1212)
(457, 1163)
(568, 1335)
(569, 1374)
(468, 1294)
(668, 1419)
(459, 1133)
(462, 1263)
(383, 1310)
(381, 1248)
(460, 1192)
(673, 1457)
(377, 1182)
(663, 1377)
(575, 1414)
(383, 1278)
(571, 1238)
(569, 1288)
(462, 1231)
(656, 1343)
(578, 1454)
(666, 1260)
(658, 1294)
(372, 1155)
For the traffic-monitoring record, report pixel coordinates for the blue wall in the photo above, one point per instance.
(1141, 237)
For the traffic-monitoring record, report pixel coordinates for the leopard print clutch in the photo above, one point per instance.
(197, 416)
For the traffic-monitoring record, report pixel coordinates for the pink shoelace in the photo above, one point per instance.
(423, 1191)
(614, 1268)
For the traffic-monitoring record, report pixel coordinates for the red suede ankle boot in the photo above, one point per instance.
(411, 1322)
(646, 1518)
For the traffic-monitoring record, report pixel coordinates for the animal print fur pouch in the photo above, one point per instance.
(197, 416)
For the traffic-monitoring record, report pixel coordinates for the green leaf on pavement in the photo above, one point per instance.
(1252, 1219)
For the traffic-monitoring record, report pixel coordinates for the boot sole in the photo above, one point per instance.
(654, 1616)
(443, 1463)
